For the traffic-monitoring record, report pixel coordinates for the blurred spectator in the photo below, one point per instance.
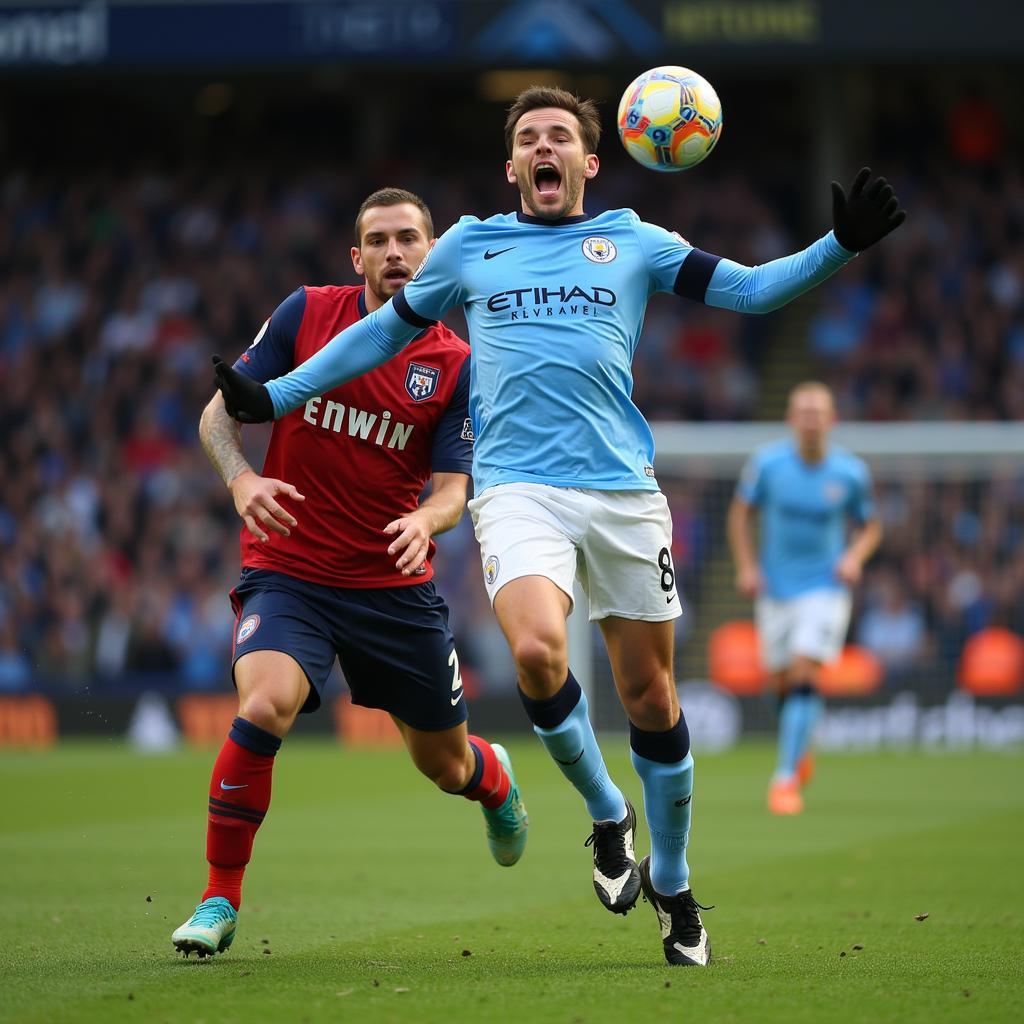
(892, 628)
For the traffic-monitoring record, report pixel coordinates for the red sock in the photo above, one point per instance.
(490, 784)
(239, 798)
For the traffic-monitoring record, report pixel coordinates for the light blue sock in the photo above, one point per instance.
(800, 710)
(668, 789)
(573, 745)
(665, 766)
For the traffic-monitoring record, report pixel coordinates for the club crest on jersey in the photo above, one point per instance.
(835, 492)
(421, 381)
(247, 628)
(599, 250)
(491, 569)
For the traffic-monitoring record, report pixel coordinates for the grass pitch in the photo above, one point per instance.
(371, 897)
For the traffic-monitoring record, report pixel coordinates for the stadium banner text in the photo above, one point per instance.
(718, 720)
(473, 33)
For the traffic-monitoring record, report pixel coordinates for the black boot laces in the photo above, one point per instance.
(684, 911)
(609, 848)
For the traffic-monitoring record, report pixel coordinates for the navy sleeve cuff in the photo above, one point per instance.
(695, 274)
(405, 311)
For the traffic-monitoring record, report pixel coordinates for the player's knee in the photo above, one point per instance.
(654, 705)
(268, 710)
(540, 659)
(448, 775)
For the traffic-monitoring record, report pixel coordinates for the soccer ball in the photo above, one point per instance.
(669, 118)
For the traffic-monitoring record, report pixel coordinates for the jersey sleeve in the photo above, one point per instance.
(766, 287)
(437, 284)
(272, 352)
(862, 498)
(750, 487)
(453, 438)
(673, 264)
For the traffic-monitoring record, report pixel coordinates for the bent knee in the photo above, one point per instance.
(275, 712)
(449, 775)
(654, 706)
(541, 659)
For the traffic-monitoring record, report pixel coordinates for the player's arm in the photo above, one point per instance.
(739, 529)
(438, 512)
(364, 345)
(255, 496)
(272, 352)
(867, 535)
(863, 544)
(860, 218)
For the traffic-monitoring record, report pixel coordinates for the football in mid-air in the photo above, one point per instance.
(669, 118)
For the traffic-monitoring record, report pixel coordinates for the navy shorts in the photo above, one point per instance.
(394, 644)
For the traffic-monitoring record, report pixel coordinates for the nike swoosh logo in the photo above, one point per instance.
(683, 803)
(455, 700)
(224, 785)
(572, 762)
(669, 600)
(490, 255)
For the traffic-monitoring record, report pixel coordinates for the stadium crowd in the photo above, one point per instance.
(118, 541)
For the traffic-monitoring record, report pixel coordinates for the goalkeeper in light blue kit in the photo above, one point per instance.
(564, 462)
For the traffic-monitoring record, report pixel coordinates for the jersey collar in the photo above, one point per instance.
(525, 218)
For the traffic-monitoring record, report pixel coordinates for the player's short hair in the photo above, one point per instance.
(537, 96)
(811, 385)
(393, 197)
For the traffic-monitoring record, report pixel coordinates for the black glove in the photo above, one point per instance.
(245, 399)
(866, 215)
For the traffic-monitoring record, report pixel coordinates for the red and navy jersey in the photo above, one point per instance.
(362, 453)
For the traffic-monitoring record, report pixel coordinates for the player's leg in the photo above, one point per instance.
(816, 637)
(776, 621)
(470, 767)
(641, 657)
(272, 688)
(531, 611)
(527, 537)
(398, 654)
(630, 581)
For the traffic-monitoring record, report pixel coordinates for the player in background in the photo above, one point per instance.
(805, 491)
(336, 562)
(563, 465)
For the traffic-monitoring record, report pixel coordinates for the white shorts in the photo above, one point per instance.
(812, 625)
(619, 544)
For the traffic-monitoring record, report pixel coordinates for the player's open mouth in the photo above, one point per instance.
(547, 179)
(399, 274)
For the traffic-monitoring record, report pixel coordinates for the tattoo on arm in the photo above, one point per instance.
(221, 438)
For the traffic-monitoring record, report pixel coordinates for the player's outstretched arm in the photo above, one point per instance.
(438, 512)
(862, 217)
(357, 349)
(254, 496)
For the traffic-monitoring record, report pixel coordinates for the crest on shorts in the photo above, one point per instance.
(421, 381)
(467, 430)
(599, 250)
(247, 628)
(491, 569)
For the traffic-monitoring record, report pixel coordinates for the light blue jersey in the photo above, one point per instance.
(805, 509)
(555, 310)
